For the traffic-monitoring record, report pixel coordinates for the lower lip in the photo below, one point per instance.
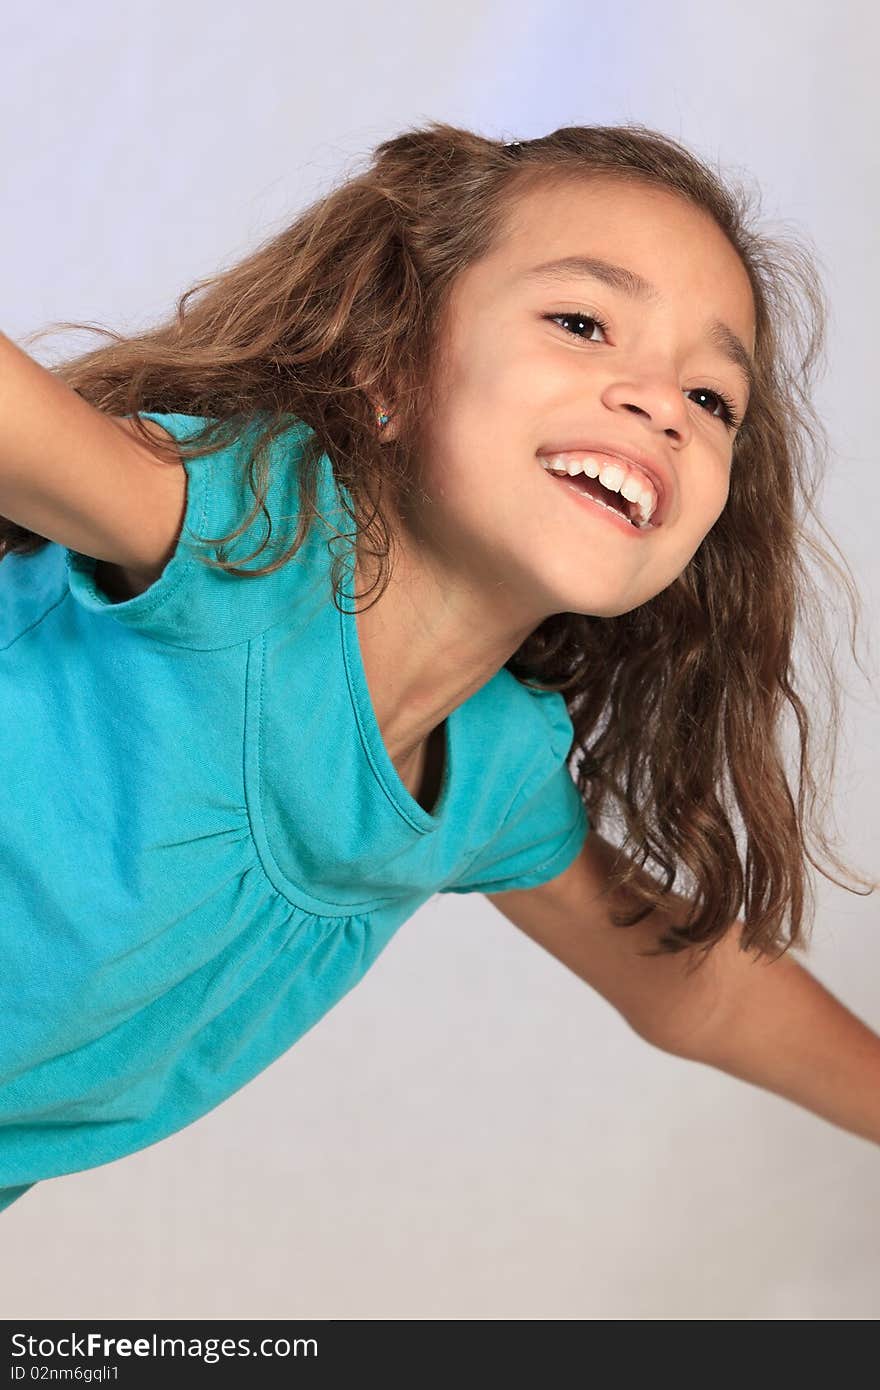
(615, 518)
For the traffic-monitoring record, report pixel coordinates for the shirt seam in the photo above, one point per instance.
(203, 478)
(581, 822)
(56, 603)
(273, 871)
(364, 729)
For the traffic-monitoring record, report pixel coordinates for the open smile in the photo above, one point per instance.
(577, 489)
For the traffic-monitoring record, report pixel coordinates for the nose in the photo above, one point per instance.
(658, 399)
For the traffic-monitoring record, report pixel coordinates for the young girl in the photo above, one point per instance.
(551, 387)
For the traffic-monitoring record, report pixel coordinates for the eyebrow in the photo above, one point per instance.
(635, 286)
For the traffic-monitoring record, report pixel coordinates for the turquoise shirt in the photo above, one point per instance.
(205, 842)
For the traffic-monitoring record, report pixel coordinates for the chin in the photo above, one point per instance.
(611, 608)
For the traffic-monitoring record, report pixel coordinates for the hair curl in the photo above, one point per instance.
(677, 705)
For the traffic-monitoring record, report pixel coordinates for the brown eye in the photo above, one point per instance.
(579, 317)
(728, 413)
(728, 407)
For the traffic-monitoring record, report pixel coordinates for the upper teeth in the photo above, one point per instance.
(626, 479)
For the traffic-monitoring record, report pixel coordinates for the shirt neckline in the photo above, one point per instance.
(377, 754)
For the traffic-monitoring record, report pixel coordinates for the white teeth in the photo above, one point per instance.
(630, 483)
(611, 475)
(631, 489)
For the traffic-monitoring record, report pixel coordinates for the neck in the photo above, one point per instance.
(427, 644)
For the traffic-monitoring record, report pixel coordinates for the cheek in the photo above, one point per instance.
(718, 501)
(476, 508)
(704, 494)
(700, 509)
(493, 374)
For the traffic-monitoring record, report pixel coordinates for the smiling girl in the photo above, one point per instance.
(557, 388)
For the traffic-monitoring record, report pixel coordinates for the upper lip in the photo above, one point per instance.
(658, 472)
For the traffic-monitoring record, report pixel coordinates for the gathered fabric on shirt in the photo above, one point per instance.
(206, 844)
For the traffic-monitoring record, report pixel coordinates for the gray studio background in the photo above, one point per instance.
(471, 1133)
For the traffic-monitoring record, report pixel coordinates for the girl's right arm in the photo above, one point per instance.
(82, 478)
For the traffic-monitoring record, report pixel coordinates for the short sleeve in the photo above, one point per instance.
(192, 604)
(545, 826)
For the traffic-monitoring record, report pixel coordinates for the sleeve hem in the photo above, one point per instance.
(81, 568)
(541, 873)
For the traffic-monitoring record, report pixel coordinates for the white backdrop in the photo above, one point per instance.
(471, 1133)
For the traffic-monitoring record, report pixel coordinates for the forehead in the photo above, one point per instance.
(661, 236)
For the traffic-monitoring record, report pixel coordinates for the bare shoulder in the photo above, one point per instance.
(166, 499)
(159, 433)
(81, 477)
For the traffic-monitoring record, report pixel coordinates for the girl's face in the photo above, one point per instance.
(526, 370)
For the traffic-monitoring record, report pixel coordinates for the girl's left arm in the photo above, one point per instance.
(767, 1022)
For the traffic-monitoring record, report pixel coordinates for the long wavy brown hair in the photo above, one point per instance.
(678, 705)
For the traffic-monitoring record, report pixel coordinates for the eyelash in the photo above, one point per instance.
(729, 416)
